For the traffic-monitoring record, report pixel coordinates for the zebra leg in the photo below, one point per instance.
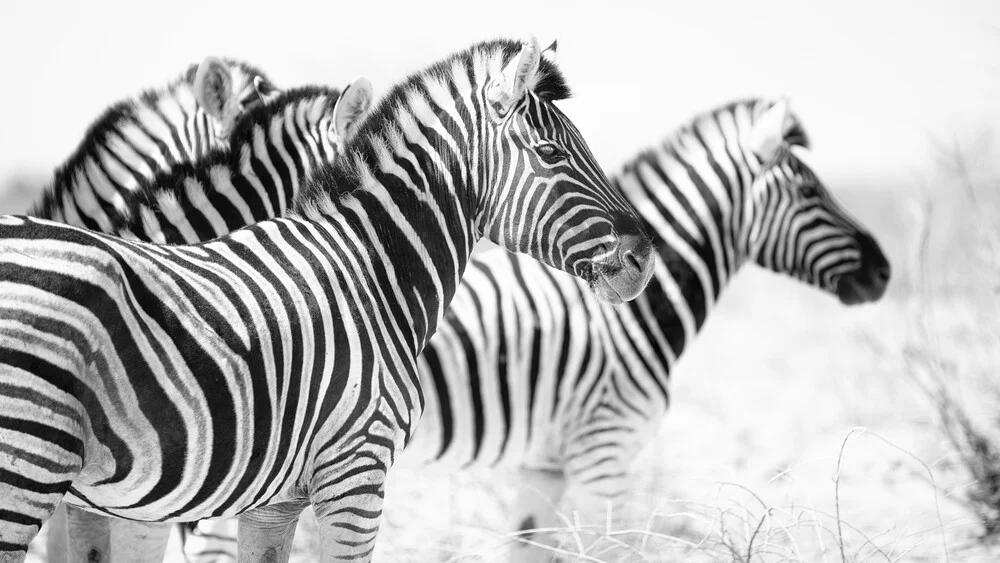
(594, 486)
(264, 534)
(142, 542)
(536, 508)
(348, 523)
(89, 536)
(56, 536)
(211, 540)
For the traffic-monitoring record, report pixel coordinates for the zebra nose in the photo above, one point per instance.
(633, 256)
(869, 282)
(881, 274)
(873, 260)
(625, 225)
(629, 260)
(634, 251)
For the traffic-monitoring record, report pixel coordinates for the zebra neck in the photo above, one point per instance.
(273, 161)
(414, 216)
(696, 213)
(133, 140)
(256, 179)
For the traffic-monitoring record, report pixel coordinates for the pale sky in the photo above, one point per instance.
(872, 81)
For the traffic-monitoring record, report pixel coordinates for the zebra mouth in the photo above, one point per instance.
(606, 292)
(625, 274)
(852, 291)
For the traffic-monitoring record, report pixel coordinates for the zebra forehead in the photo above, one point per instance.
(482, 61)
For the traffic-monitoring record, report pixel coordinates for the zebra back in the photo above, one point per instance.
(151, 133)
(275, 146)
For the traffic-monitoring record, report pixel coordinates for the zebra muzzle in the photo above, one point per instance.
(624, 275)
(868, 283)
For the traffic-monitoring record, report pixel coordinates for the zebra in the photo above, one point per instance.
(320, 134)
(583, 385)
(527, 367)
(275, 367)
(137, 138)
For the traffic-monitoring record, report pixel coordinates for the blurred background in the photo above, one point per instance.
(902, 104)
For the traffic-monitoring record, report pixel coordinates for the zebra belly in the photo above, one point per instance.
(147, 494)
(499, 449)
(157, 514)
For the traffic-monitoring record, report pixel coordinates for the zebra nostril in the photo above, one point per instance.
(630, 260)
(882, 274)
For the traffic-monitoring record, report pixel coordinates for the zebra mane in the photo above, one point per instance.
(120, 114)
(262, 114)
(753, 107)
(162, 190)
(381, 119)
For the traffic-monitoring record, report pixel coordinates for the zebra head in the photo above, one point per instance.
(551, 200)
(797, 226)
(276, 143)
(324, 119)
(226, 89)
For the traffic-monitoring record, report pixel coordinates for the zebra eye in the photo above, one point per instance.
(808, 191)
(550, 152)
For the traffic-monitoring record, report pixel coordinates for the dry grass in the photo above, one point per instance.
(965, 395)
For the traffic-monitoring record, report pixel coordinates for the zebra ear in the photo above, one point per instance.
(767, 136)
(351, 106)
(520, 74)
(213, 88)
(264, 89)
(549, 53)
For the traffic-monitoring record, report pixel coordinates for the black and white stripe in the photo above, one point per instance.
(529, 370)
(274, 147)
(136, 139)
(276, 367)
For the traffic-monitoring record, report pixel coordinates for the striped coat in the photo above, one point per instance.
(276, 367)
(259, 189)
(137, 138)
(528, 370)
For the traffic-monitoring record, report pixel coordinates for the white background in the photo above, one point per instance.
(873, 81)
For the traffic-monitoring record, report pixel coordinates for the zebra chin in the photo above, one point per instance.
(626, 272)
